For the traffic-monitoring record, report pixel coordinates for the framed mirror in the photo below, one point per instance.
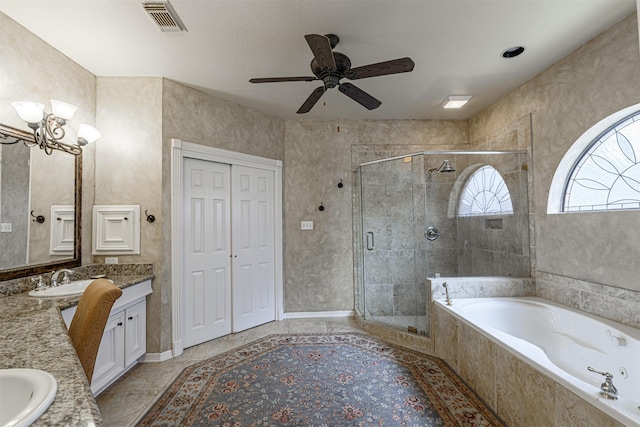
(40, 207)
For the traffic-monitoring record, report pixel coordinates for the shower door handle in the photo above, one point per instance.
(370, 242)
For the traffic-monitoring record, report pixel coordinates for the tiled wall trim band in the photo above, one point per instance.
(620, 305)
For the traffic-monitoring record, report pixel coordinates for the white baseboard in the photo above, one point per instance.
(318, 314)
(157, 357)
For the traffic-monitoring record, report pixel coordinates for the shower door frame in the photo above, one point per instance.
(363, 241)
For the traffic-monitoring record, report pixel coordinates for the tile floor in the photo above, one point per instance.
(128, 399)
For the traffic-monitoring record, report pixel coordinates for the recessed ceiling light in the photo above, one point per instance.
(456, 101)
(512, 52)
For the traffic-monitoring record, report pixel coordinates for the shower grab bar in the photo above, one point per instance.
(373, 244)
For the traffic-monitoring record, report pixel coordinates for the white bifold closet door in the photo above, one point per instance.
(229, 244)
(253, 243)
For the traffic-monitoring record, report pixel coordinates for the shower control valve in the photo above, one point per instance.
(431, 233)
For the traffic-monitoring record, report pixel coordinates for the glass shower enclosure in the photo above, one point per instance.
(435, 213)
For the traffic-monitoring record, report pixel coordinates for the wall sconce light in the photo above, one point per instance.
(48, 128)
(455, 101)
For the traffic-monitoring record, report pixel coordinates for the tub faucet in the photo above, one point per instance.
(446, 292)
(65, 278)
(607, 389)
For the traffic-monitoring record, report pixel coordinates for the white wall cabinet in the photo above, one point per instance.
(124, 338)
(116, 229)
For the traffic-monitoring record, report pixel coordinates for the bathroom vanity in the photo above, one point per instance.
(34, 336)
(124, 338)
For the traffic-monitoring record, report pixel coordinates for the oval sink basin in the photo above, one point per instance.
(76, 287)
(25, 395)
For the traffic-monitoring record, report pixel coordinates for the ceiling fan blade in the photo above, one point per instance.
(321, 48)
(360, 96)
(311, 100)
(282, 79)
(395, 66)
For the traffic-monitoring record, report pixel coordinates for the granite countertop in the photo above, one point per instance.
(33, 335)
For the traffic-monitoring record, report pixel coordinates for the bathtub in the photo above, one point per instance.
(562, 343)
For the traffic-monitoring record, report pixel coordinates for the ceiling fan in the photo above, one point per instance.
(331, 67)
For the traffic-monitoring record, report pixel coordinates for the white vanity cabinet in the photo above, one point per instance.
(124, 338)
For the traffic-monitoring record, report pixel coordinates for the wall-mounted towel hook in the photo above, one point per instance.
(39, 219)
(340, 184)
(321, 208)
(150, 218)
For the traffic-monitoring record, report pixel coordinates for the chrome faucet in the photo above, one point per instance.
(446, 292)
(65, 278)
(607, 389)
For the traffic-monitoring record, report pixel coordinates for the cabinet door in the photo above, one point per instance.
(135, 333)
(110, 360)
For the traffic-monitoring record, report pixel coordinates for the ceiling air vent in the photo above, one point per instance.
(164, 16)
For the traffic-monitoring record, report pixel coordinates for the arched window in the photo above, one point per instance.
(607, 175)
(485, 193)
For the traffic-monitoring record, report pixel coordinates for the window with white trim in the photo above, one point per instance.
(606, 176)
(485, 193)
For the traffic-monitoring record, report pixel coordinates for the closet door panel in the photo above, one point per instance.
(206, 281)
(253, 247)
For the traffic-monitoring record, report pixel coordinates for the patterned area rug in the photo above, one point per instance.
(329, 380)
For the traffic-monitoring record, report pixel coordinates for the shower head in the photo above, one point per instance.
(445, 167)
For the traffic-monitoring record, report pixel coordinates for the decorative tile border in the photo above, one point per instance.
(482, 287)
(620, 305)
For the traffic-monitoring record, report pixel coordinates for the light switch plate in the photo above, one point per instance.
(111, 260)
(306, 225)
(6, 227)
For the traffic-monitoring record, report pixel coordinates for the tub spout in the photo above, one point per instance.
(448, 299)
(607, 389)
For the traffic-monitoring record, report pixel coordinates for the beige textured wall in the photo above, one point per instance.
(128, 171)
(31, 70)
(193, 116)
(565, 100)
(319, 263)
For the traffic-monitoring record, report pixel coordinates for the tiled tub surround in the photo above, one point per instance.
(33, 335)
(521, 394)
(482, 287)
(556, 344)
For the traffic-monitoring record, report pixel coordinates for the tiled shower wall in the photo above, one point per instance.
(497, 245)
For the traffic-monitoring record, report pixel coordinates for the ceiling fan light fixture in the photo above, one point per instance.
(330, 67)
(512, 52)
(456, 101)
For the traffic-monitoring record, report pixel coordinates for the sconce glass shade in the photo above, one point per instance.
(87, 134)
(30, 112)
(63, 110)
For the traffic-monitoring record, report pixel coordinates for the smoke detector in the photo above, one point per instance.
(164, 16)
